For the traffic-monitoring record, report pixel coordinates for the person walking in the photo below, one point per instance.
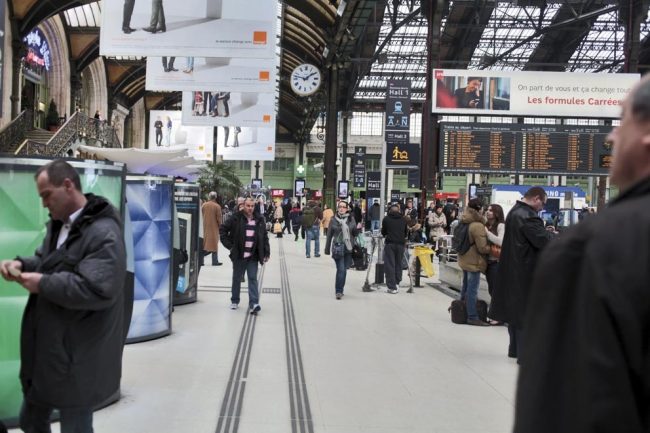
(278, 218)
(394, 230)
(286, 210)
(311, 218)
(212, 220)
(328, 214)
(157, 23)
(375, 216)
(524, 239)
(473, 262)
(296, 220)
(246, 237)
(340, 239)
(585, 362)
(73, 326)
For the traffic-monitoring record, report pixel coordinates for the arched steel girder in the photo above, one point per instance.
(313, 13)
(42, 10)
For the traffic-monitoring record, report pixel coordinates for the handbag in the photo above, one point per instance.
(495, 251)
(338, 250)
(277, 228)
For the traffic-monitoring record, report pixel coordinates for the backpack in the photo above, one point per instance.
(308, 217)
(460, 241)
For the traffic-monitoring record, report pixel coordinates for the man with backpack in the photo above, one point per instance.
(471, 244)
(311, 218)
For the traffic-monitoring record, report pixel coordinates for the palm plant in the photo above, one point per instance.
(220, 178)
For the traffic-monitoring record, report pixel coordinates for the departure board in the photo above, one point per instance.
(518, 148)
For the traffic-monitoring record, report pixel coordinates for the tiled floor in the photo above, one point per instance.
(371, 362)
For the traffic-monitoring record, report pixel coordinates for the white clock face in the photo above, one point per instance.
(305, 79)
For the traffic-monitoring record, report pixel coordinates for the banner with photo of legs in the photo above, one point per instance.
(198, 73)
(227, 109)
(221, 28)
(237, 143)
(166, 130)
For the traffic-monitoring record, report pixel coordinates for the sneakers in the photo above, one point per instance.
(255, 309)
(316, 255)
(392, 291)
(234, 306)
(308, 256)
(339, 295)
(477, 322)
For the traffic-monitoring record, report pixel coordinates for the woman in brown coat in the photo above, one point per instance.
(211, 211)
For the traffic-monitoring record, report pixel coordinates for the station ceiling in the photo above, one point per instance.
(370, 41)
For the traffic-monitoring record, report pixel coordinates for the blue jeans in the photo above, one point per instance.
(36, 419)
(469, 292)
(313, 233)
(375, 225)
(239, 267)
(342, 265)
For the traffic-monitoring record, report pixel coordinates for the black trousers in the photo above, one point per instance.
(393, 254)
(128, 11)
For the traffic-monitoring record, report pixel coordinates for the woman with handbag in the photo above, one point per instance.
(340, 239)
(495, 228)
(278, 218)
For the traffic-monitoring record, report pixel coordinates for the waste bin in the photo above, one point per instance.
(424, 254)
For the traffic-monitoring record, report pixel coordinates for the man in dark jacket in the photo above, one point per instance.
(73, 326)
(393, 228)
(246, 237)
(585, 365)
(524, 239)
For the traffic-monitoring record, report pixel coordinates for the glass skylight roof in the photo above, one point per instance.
(89, 15)
(507, 43)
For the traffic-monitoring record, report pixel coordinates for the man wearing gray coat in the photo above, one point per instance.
(73, 326)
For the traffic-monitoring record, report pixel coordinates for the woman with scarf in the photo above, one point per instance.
(340, 239)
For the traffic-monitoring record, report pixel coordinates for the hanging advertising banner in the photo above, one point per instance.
(186, 199)
(202, 28)
(402, 155)
(167, 131)
(198, 73)
(373, 189)
(359, 167)
(235, 143)
(523, 93)
(228, 109)
(398, 111)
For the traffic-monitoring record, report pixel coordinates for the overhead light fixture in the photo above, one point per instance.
(326, 51)
(341, 8)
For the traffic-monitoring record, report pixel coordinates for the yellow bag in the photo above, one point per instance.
(277, 228)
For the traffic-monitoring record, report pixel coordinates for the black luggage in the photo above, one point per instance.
(458, 311)
(360, 258)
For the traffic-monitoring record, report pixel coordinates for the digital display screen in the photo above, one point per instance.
(516, 148)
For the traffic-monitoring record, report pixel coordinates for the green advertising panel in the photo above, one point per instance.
(22, 228)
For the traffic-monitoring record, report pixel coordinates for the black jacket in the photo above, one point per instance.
(585, 366)
(524, 239)
(233, 232)
(393, 227)
(73, 331)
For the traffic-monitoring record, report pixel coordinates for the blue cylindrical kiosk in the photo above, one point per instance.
(149, 202)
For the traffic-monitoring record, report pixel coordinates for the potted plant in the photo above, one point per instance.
(52, 117)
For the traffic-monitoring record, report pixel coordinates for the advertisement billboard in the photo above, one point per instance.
(202, 28)
(166, 129)
(198, 73)
(517, 93)
(228, 109)
(186, 198)
(245, 144)
(150, 207)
